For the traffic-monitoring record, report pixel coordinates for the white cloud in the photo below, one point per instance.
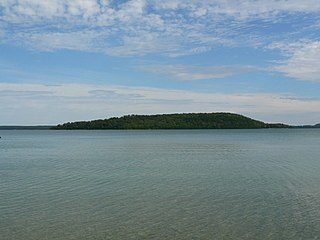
(52, 104)
(302, 60)
(36, 9)
(131, 10)
(190, 73)
(47, 41)
(141, 44)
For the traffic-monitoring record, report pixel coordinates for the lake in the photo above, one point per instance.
(184, 184)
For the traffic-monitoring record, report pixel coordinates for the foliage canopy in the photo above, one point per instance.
(172, 121)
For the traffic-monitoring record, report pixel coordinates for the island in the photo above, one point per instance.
(219, 120)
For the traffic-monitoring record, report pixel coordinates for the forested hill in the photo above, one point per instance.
(172, 121)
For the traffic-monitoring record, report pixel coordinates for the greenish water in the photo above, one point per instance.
(195, 184)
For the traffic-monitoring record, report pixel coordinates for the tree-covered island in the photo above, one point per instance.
(172, 121)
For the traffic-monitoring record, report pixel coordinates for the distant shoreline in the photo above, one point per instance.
(46, 127)
(182, 121)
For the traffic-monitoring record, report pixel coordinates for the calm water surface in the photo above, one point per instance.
(196, 184)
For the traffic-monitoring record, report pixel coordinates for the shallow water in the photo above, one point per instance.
(193, 184)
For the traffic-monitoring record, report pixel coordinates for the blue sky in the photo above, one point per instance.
(86, 59)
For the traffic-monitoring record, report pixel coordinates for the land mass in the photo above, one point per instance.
(172, 121)
(308, 126)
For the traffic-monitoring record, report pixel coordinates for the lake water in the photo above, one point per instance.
(195, 184)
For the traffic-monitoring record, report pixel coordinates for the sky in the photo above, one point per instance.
(74, 60)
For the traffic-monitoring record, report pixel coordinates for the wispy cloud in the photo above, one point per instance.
(139, 27)
(302, 61)
(191, 73)
(49, 104)
(86, 40)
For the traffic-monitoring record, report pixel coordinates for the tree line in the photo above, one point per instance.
(172, 121)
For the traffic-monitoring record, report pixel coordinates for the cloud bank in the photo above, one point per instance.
(52, 104)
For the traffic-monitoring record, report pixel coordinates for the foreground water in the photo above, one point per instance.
(196, 184)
